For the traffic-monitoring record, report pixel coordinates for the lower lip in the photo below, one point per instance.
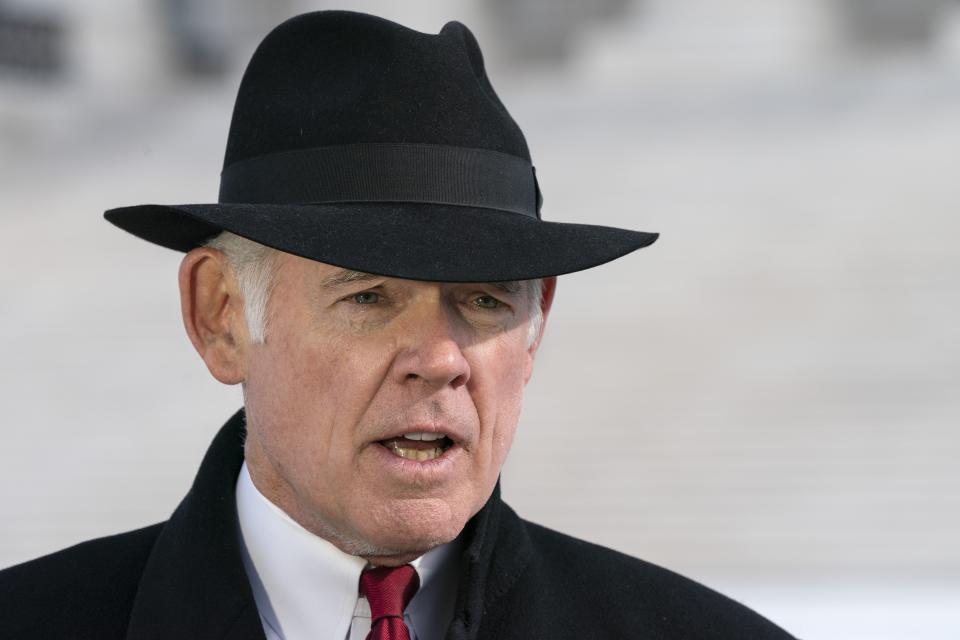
(426, 471)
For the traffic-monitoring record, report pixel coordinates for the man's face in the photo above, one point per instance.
(351, 364)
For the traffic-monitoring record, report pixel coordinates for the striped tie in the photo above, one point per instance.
(389, 591)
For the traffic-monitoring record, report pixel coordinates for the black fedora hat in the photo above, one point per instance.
(363, 144)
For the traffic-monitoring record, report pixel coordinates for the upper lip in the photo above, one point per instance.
(450, 432)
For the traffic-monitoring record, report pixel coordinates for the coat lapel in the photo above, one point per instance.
(194, 584)
(496, 552)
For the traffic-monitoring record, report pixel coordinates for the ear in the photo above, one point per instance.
(546, 302)
(212, 311)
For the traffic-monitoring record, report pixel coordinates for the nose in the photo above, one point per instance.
(432, 354)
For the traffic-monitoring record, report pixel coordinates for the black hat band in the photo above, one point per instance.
(383, 172)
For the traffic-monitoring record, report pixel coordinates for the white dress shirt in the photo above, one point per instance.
(307, 589)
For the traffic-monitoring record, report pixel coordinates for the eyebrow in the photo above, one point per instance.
(510, 286)
(346, 276)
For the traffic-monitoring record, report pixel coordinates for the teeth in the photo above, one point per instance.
(417, 454)
(423, 435)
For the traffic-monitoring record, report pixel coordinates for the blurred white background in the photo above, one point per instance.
(766, 400)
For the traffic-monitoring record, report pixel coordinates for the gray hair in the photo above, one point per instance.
(255, 267)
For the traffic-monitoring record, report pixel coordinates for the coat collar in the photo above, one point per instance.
(194, 584)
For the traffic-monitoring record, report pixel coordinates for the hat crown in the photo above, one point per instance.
(366, 145)
(339, 77)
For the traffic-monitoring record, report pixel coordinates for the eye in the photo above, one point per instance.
(487, 302)
(366, 297)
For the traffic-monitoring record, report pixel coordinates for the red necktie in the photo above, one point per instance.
(389, 591)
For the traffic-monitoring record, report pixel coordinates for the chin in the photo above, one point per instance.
(412, 527)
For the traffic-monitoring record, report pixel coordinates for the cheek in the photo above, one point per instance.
(500, 395)
(314, 390)
(280, 376)
(288, 400)
(508, 417)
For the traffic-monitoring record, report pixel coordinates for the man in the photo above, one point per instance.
(377, 276)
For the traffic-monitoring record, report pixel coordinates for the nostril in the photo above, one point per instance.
(458, 381)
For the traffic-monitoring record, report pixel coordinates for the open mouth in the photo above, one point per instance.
(421, 446)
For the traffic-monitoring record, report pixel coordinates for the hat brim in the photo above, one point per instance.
(438, 243)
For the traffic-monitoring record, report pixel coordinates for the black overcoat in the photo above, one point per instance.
(184, 579)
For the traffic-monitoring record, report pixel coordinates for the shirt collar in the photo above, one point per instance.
(305, 587)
